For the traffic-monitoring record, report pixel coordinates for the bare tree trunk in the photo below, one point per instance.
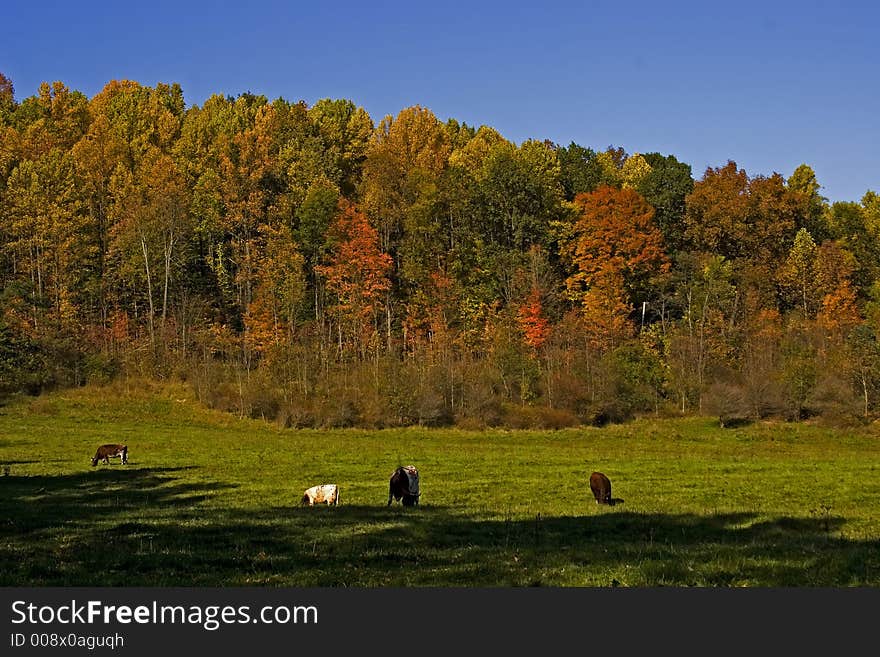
(34, 278)
(240, 393)
(804, 291)
(169, 247)
(149, 288)
(388, 322)
(39, 263)
(183, 322)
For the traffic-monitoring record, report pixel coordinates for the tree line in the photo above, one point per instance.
(307, 265)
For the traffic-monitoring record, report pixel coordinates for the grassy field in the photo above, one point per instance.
(208, 499)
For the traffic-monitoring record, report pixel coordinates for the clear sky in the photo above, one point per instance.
(768, 84)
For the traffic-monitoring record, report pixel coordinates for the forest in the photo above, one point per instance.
(316, 268)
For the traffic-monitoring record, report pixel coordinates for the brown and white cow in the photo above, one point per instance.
(106, 452)
(322, 494)
(404, 485)
(601, 487)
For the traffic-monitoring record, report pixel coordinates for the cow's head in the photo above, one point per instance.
(95, 461)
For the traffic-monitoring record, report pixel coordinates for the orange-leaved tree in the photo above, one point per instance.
(615, 251)
(730, 214)
(356, 274)
(838, 311)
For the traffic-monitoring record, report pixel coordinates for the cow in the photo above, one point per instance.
(322, 494)
(106, 452)
(404, 485)
(601, 487)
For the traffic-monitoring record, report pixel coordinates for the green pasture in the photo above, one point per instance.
(209, 499)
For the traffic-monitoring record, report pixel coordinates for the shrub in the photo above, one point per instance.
(262, 402)
(296, 414)
(727, 401)
(538, 417)
(479, 399)
(224, 396)
(100, 369)
(835, 403)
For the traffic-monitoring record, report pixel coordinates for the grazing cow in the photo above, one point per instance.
(404, 485)
(601, 487)
(323, 494)
(106, 452)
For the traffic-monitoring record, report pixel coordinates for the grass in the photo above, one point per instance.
(211, 500)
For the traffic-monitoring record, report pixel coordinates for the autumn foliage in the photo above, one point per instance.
(615, 244)
(307, 264)
(356, 272)
(533, 324)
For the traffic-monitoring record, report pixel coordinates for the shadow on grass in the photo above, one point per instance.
(36, 503)
(144, 528)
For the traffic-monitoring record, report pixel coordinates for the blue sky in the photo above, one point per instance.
(768, 84)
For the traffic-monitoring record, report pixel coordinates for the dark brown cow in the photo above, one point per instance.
(105, 452)
(601, 487)
(404, 485)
